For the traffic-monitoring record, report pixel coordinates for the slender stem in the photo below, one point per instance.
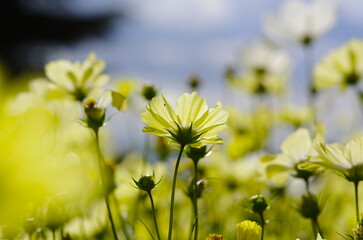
(103, 180)
(313, 226)
(359, 99)
(82, 228)
(307, 185)
(356, 200)
(173, 193)
(308, 52)
(122, 220)
(143, 166)
(262, 225)
(146, 152)
(54, 238)
(195, 200)
(154, 215)
(318, 228)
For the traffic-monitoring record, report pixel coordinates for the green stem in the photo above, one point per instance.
(318, 228)
(103, 180)
(308, 52)
(82, 228)
(195, 200)
(356, 200)
(173, 193)
(313, 226)
(359, 99)
(154, 215)
(146, 152)
(121, 219)
(262, 225)
(54, 238)
(307, 185)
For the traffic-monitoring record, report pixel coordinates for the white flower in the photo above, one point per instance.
(302, 22)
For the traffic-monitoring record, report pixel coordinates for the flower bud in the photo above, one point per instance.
(95, 115)
(230, 75)
(194, 81)
(201, 185)
(146, 183)
(309, 206)
(148, 92)
(258, 204)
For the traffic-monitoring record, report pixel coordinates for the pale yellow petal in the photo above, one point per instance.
(190, 107)
(353, 151)
(298, 145)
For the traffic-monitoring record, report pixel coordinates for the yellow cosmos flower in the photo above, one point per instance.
(297, 149)
(78, 79)
(248, 230)
(346, 160)
(342, 67)
(192, 123)
(214, 237)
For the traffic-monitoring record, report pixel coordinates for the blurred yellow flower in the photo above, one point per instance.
(296, 150)
(346, 160)
(78, 79)
(192, 123)
(214, 237)
(266, 68)
(248, 132)
(296, 115)
(342, 67)
(248, 230)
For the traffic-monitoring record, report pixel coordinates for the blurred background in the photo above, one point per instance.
(161, 41)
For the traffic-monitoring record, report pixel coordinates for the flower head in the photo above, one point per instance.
(302, 22)
(214, 237)
(192, 123)
(95, 110)
(266, 68)
(78, 79)
(248, 230)
(342, 67)
(346, 160)
(297, 149)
